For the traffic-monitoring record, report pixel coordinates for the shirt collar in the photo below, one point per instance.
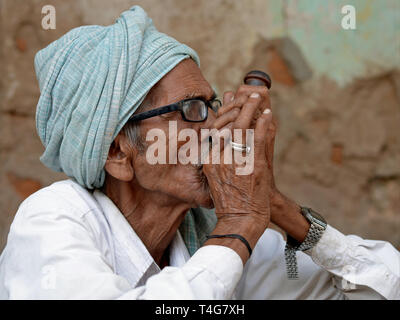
(132, 259)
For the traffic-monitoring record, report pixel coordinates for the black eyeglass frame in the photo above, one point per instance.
(177, 106)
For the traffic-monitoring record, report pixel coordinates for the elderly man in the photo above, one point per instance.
(124, 228)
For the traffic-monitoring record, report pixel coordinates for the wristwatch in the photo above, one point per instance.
(317, 228)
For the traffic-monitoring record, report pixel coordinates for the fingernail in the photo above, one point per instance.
(266, 111)
(233, 98)
(255, 95)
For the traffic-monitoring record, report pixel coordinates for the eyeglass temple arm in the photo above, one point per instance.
(154, 112)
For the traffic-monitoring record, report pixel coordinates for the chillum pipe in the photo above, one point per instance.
(257, 78)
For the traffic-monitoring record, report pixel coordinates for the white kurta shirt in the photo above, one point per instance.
(68, 243)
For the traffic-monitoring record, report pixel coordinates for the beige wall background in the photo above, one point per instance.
(336, 94)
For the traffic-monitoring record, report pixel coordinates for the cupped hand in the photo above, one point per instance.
(244, 196)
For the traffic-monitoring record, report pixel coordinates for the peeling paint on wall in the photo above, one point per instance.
(343, 55)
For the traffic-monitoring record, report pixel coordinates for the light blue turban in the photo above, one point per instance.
(91, 81)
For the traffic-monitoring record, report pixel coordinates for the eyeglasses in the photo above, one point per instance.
(192, 110)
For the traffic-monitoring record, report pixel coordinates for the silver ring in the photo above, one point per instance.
(240, 147)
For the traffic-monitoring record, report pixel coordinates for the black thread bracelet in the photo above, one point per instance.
(234, 236)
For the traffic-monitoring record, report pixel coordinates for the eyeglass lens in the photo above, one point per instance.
(195, 110)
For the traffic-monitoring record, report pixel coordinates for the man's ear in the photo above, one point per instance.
(119, 160)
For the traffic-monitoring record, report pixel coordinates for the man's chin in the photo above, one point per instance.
(204, 200)
(202, 193)
(209, 204)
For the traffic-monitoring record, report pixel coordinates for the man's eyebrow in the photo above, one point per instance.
(194, 95)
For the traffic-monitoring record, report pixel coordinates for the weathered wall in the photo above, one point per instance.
(336, 94)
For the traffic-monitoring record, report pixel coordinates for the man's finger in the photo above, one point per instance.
(227, 117)
(237, 102)
(270, 142)
(241, 96)
(261, 134)
(247, 112)
(228, 97)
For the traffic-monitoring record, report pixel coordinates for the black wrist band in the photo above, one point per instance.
(235, 236)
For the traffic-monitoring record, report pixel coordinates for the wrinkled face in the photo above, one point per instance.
(183, 182)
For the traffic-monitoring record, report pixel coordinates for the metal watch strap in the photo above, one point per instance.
(317, 228)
